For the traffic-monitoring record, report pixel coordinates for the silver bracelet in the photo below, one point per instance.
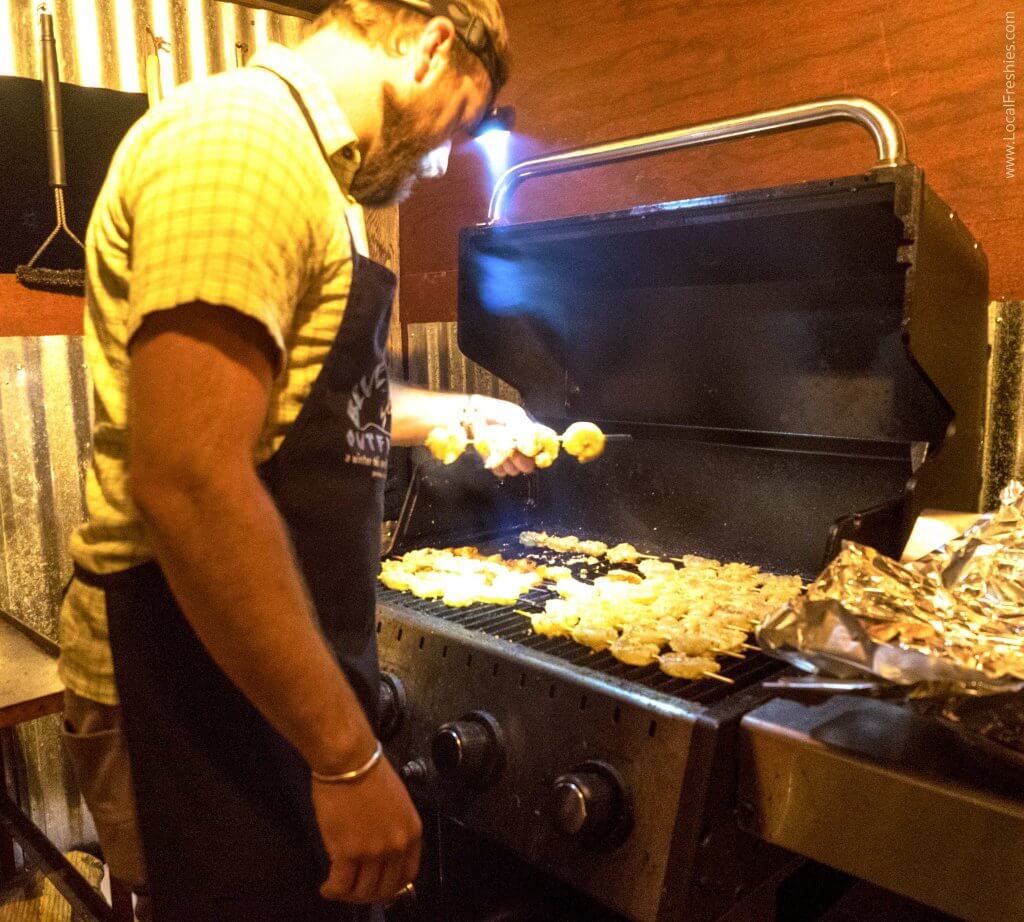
(356, 774)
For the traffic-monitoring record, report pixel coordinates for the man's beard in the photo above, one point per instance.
(386, 177)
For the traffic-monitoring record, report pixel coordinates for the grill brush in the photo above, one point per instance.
(70, 281)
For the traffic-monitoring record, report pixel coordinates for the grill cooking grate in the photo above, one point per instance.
(503, 622)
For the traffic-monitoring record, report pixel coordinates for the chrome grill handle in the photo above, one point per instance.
(880, 122)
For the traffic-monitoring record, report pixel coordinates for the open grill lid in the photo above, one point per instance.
(785, 359)
(776, 312)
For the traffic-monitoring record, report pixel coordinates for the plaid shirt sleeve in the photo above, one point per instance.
(224, 212)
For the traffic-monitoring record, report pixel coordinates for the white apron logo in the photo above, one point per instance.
(369, 408)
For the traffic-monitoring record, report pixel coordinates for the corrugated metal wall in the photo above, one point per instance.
(44, 436)
(435, 362)
(105, 42)
(44, 390)
(1004, 436)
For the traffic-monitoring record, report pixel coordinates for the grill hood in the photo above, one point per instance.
(797, 365)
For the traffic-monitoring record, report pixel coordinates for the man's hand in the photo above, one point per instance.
(415, 412)
(490, 413)
(371, 831)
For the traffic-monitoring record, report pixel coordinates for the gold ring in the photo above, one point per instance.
(407, 890)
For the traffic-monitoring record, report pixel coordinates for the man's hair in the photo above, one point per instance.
(388, 24)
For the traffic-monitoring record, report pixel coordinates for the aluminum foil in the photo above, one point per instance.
(950, 623)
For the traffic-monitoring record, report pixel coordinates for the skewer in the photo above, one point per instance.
(1008, 639)
(750, 646)
(539, 609)
(608, 437)
(720, 678)
(639, 555)
(731, 653)
(664, 557)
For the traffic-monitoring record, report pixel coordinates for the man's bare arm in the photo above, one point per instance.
(198, 390)
(416, 411)
(199, 384)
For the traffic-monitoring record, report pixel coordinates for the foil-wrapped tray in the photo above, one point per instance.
(950, 623)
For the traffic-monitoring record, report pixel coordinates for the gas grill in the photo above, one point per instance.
(795, 366)
(590, 770)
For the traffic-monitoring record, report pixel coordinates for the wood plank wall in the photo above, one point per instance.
(592, 70)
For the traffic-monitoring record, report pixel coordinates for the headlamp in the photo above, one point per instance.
(498, 118)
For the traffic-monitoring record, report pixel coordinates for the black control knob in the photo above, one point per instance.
(415, 771)
(590, 805)
(392, 706)
(469, 750)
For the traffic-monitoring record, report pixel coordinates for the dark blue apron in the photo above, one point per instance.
(223, 800)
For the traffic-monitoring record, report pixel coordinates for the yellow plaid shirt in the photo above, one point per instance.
(220, 194)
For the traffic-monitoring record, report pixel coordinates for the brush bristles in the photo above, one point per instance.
(63, 281)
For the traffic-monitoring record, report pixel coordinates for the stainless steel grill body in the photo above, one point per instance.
(682, 853)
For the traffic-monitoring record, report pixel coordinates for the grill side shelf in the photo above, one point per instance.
(843, 783)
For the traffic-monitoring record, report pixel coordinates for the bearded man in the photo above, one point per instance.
(218, 636)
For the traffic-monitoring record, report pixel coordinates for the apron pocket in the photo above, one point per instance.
(104, 776)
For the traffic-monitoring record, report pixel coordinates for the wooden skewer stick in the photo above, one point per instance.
(720, 678)
(639, 555)
(731, 653)
(661, 557)
(750, 646)
(608, 437)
